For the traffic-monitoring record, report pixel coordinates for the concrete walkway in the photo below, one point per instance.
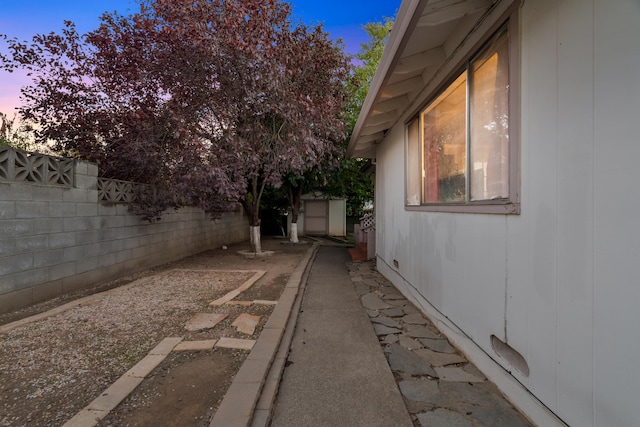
(344, 348)
(336, 374)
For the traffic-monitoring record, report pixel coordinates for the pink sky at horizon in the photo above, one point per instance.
(23, 19)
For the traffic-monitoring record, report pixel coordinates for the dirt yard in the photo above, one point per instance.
(52, 368)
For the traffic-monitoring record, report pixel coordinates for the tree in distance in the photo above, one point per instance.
(206, 102)
(339, 176)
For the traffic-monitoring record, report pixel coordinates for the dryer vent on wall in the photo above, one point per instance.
(509, 354)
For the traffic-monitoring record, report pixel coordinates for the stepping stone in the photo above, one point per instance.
(417, 331)
(385, 330)
(440, 359)
(372, 313)
(444, 418)
(426, 391)
(372, 302)
(410, 309)
(389, 290)
(409, 343)
(362, 290)
(397, 302)
(390, 339)
(440, 345)
(235, 343)
(403, 360)
(382, 320)
(472, 369)
(472, 393)
(264, 302)
(498, 416)
(415, 319)
(394, 297)
(455, 374)
(246, 323)
(195, 345)
(204, 321)
(393, 312)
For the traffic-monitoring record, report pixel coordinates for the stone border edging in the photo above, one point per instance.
(119, 390)
(89, 299)
(239, 403)
(95, 298)
(234, 293)
(264, 408)
(112, 396)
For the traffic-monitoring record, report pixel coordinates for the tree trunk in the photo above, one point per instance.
(254, 232)
(295, 196)
(251, 204)
(294, 233)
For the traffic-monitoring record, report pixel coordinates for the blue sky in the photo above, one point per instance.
(24, 18)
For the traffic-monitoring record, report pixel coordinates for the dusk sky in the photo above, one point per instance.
(24, 18)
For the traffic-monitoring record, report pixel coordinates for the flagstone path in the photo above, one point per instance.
(441, 388)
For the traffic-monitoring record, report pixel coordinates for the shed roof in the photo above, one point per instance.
(425, 36)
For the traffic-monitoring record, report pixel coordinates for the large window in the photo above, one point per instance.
(459, 152)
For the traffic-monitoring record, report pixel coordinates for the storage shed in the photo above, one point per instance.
(320, 216)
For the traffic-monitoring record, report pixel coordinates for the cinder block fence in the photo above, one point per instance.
(63, 229)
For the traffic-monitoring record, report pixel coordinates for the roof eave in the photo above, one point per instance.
(396, 38)
(428, 39)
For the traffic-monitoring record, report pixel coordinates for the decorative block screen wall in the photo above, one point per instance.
(115, 191)
(22, 166)
(62, 229)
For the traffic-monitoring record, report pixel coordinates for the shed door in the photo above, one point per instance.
(316, 217)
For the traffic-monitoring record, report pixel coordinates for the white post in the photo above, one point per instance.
(357, 234)
(294, 233)
(254, 232)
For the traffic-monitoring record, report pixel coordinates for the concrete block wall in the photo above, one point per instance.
(55, 240)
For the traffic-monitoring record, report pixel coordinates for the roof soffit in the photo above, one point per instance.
(427, 33)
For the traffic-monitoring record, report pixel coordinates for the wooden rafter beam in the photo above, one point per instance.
(448, 10)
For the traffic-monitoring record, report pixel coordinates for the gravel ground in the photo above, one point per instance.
(61, 363)
(52, 368)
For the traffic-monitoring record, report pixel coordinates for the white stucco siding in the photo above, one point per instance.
(438, 254)
(579, 121)
(535, 236)
(617, 207)
(559, 282)
(575, 212)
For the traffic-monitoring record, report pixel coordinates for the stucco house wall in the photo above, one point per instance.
(558, 281)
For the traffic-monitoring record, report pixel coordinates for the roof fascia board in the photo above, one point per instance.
(404, 20)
